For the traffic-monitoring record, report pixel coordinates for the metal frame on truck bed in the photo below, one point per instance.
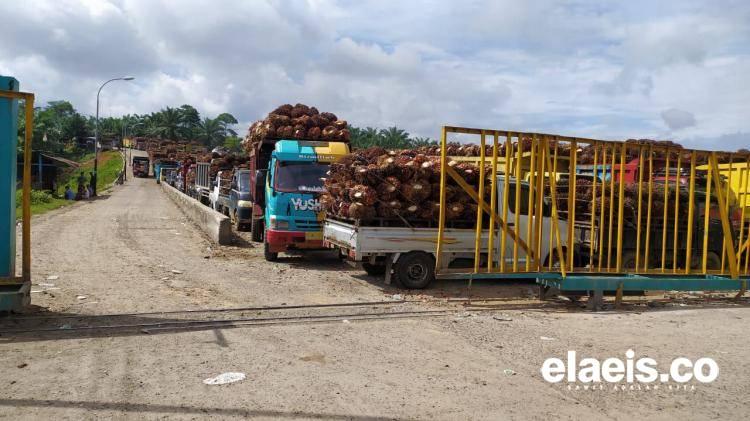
(607, 263)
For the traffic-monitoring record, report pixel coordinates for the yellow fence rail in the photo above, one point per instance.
(551, 203)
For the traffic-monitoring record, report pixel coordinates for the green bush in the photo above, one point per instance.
(37, 197)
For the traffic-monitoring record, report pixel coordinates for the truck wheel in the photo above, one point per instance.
(256, 230)
(268, 254)
(713, 261)
(415, 270)
(373, 270)
(628, 260)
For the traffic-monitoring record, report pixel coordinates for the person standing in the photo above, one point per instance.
(92, 183)
(81, 186)
(87, 192)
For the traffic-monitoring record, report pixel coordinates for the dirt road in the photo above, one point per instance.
(132, 251)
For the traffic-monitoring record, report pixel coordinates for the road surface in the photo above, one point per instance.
(133, 252)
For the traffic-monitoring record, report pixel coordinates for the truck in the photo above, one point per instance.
(203, 182)
(240, 207)
(141, 165)
(219, 196)
(407, 254)
(161, 167)
(286, 181)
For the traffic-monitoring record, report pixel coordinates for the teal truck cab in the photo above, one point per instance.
(288, 180)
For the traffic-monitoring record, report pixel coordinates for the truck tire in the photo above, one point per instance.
(373, 270)
(415, 270)
(256, 230)
(628, 260)
(713, 261)
(268, 254)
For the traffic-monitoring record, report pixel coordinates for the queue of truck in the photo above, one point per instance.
(277, 197)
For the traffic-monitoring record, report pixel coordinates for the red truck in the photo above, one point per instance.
(140, 166)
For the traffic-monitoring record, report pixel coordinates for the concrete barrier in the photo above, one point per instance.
(217, 226)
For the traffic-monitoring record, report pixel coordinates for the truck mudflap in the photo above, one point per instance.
(279, 241)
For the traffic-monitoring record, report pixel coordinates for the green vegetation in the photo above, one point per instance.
(110, 165)
(40, 202)
(391, 138)
(61, 130)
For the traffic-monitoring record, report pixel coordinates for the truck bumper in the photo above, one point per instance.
(279, 241)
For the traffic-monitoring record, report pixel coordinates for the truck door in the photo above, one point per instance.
(233, 193)
(521, 225)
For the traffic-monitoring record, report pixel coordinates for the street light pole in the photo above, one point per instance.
(96, 131)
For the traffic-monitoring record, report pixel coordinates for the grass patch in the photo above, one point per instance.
(110, 165)
(41, 202)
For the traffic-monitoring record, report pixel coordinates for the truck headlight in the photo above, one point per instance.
(276, 224)
(244, 204)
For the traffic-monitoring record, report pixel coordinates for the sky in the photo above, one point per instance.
(677, 70)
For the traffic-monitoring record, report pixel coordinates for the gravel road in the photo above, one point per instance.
(133, 252)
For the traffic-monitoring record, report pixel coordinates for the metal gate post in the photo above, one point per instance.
(8, 145)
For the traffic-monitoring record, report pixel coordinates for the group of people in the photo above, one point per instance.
(85, 190)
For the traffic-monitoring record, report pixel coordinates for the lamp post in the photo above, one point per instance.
(96, 131)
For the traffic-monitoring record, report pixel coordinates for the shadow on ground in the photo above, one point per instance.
(147, 408)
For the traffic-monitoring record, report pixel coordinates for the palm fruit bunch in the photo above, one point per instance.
(396, 184)
(297, 122)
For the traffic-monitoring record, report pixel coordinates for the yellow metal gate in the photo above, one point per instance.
(585, 206)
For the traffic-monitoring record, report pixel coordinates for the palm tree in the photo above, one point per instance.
(166, 123)
(210, 132)
(421, 141)
(190, 118)
(393, 137)
(226, 120)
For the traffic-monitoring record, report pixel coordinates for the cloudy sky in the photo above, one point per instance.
(669, 69)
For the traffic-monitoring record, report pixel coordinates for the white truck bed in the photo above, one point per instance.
(362, 242)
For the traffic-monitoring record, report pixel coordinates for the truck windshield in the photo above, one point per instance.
(300, 177)
(244, 180)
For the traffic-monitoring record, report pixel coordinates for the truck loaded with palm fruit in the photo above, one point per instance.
(382, 210)
(290, 153)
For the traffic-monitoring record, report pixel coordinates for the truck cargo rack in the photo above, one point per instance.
(672, 231)
(398, 222)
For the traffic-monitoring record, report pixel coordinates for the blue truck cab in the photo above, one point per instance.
(240, 204)
(293, 184)
(161, 168)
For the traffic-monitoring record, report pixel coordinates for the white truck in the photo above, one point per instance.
(218, 199)
(203, 182)
(408, 254)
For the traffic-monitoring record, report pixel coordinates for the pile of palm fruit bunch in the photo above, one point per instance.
(297, 122)
(585, 205)
(586, 153)
(399, 185)
(223, 161)
(459, 149)
(190, 176)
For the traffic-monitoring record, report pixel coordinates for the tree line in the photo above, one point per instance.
(61, 129)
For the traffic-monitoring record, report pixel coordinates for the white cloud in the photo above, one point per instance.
(574, 67)
(677, 119)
